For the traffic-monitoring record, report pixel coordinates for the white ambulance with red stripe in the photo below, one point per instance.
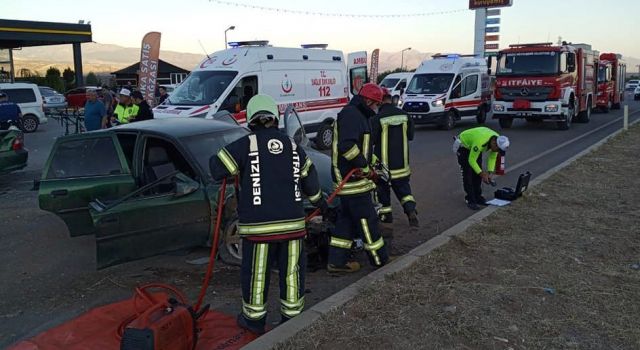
(317, 81)
(449, 88)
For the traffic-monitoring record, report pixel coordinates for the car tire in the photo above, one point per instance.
(324, 137)
(449, 121)
(481, 117)
(230, 248)
(29, 123)
(505, 123)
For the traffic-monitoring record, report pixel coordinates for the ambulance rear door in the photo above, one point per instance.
(357, 71)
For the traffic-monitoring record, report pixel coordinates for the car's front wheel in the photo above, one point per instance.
(324, 137)
(230, 248)
(29, 123)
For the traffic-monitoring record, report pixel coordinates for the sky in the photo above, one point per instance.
(185, 23)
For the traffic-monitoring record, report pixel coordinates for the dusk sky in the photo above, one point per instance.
(184, 22)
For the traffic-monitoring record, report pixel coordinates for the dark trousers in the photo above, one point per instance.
(357, 218)
(257, 259)
(402, 188)
(471, 181)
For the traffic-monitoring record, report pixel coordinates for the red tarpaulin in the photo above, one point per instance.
(96, 330)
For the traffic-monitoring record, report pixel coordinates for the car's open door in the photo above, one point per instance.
(357, 71)
(168, 212)
(81, 168)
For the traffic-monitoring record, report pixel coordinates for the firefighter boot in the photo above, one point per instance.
(254, 327)
(413, 219)
(349, 267)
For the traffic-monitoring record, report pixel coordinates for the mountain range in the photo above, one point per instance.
(105, 58)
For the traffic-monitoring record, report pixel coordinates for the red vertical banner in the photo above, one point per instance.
(373, 75)
(148, 71)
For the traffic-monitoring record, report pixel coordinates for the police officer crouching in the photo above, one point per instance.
(357, 216)
(392, 131)
(274, 174)
(469, 147)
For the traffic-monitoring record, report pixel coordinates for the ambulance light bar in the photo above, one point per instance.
(532, 44)
(249, 43)
(314, 46)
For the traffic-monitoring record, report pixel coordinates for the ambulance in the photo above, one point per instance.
(396, 83)
(316, 81)
(449, 88)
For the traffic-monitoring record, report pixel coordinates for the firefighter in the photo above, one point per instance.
(274, 174)
(469, 147)
(392, 131)
(357, 217)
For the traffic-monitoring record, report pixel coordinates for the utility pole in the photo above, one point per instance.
(478, 41)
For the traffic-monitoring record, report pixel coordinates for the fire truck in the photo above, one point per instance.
(611, 73)
(547, 83)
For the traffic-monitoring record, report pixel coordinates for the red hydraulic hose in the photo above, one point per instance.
(214, 246)
(333, 194)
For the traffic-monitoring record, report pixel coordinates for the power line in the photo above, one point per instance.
(330, 14)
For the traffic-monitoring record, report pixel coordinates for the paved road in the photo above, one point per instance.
(49, 277)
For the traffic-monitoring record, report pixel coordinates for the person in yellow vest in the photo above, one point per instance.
(125, 110)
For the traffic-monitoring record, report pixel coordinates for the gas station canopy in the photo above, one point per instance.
(17, 34)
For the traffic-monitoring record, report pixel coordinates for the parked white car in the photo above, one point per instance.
(631, 85)
(396, 83)
(52, 98)
(29, 98)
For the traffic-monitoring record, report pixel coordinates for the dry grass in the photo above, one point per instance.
(553, 271)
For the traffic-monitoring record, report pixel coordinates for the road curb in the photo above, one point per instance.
(308, 317)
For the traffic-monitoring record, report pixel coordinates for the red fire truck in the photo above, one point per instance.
(543, 82)
(611, 73)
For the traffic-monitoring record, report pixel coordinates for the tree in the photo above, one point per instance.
(382, 75)
(69, 77)
(25, 73)
(53, 79)
(92, 79)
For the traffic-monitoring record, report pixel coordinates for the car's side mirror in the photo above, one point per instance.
(184, 185)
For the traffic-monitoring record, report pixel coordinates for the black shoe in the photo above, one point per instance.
(246, 324)
(473, 206)
(413, 219)
(482, 201)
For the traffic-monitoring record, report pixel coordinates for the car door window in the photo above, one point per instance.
(21, 95)
(456, 92)
(161, 158)
(128, 145)
(85, 158)
(239, 97)
(469, 85)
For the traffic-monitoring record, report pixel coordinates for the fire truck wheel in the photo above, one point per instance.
(505, 123)
(324, 137)
(481, 117)
(449, 121)
(585, 117)
(565, 124)
(615, 106)
(606, 108)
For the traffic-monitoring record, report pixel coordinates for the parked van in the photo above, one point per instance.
(449, 88)
(396, 83)
(316, 81)
(28, 97)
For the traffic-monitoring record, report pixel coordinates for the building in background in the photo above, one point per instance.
(168, 74)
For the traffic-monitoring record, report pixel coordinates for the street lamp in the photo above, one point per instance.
(225, 35)
(402, 62)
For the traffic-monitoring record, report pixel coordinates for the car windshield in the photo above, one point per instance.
(524, 63)
(430, 83)
(389, 82)
(203, 146)
(201, 88)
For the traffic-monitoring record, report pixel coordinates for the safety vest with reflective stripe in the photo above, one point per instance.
(126, 114)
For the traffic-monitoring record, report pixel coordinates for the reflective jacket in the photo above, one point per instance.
(274, 174)
(126, 113)
(351, 147)
(392, 130)
(476, 140)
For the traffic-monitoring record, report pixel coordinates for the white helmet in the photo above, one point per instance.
(503, 143)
